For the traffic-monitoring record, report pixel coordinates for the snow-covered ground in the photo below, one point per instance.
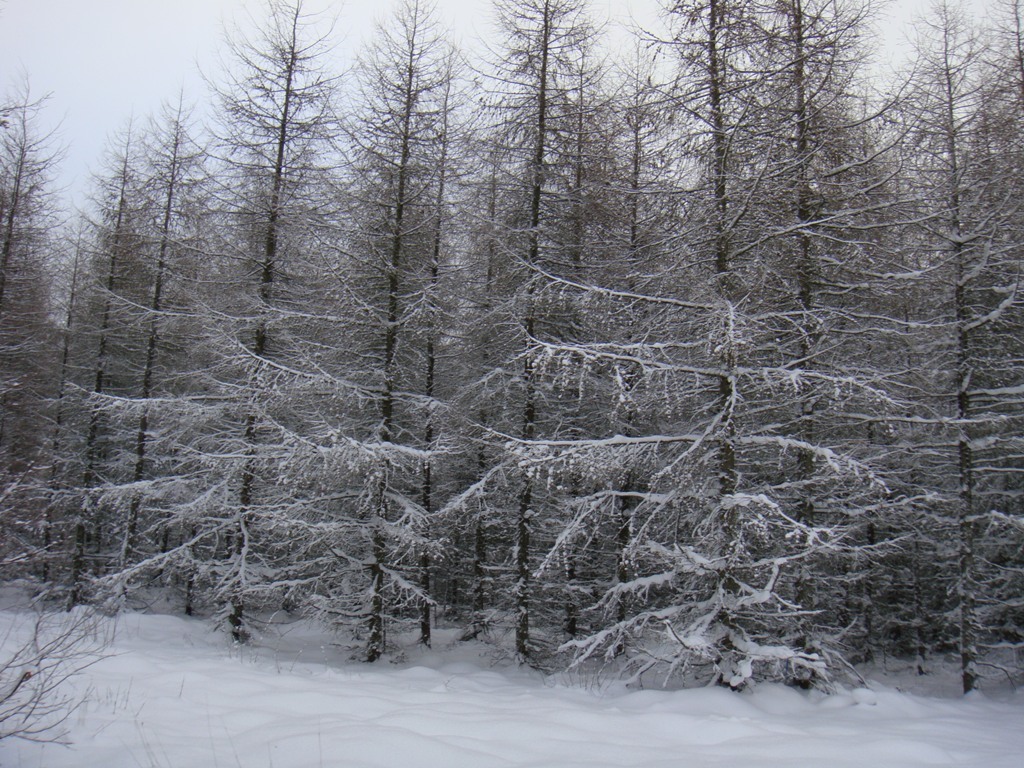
(171, 693)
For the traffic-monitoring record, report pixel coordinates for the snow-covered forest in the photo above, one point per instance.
(697, 358)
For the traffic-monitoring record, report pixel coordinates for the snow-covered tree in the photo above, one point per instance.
(389, 283)
(274, 154)
(28, 158)
(965, 151)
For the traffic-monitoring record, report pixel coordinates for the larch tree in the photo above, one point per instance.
(274, 148)
(107, 338)
(390, 279)
(609, 392)
(963, 157)
(28, 213)
(535, 108)
(1001, 145)
(826, 238)
(154, 410)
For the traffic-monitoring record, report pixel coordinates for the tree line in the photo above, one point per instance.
(696, 357)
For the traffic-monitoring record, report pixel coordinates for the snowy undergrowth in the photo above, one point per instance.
(172, 693)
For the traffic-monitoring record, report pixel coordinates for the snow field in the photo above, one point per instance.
(172, 694)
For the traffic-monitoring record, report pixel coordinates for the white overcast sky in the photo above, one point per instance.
(105, 60)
